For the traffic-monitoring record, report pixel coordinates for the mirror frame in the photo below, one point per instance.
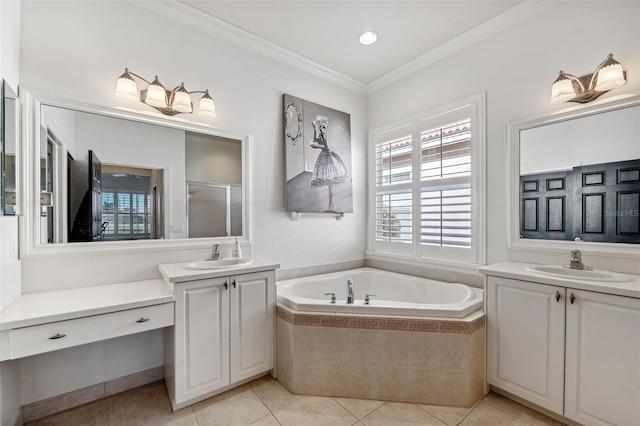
(7, 92)
(31, 101)
(514, 242)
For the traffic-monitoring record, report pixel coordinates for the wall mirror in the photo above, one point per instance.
(575, 178)
(9, 106)
(99, 177)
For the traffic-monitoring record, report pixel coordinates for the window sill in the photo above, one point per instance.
(447, 265)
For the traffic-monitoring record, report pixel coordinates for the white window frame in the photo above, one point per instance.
(442, 257)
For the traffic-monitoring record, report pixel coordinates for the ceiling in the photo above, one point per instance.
(326, 32)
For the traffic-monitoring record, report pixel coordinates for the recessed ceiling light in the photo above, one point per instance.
(368, 37)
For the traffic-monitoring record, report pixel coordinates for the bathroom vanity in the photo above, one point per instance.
(569, 344)
(47, 321)
(224, 329)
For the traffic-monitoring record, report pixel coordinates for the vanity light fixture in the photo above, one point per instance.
(569, 88)
(176, 101)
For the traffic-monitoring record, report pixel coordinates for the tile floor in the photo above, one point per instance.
(265, 402)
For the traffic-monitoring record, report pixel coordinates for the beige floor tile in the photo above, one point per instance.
(314, 410)
(400, 414)
(101, 412)
(266, 421)
(359, 407)
(150, 406)
(520, 411)
(239, 406)
(485, 414)
(450, 415)
(272, 393)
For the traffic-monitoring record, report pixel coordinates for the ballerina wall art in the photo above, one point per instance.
(318, 157)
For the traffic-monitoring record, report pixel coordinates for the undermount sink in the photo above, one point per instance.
(217, 264)
(582, 274)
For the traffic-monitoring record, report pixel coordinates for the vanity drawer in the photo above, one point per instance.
(42, 338)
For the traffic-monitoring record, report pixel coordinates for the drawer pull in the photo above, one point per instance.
(143, 319)
(57, 336)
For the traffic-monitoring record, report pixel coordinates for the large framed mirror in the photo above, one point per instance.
(574, 178)
(9, 125)
(101, 178)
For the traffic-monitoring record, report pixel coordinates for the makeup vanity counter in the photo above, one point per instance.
(568, 345)
(51, 320)
(223, 334)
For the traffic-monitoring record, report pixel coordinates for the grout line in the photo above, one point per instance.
(472, 409)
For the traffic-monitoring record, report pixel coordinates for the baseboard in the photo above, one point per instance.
(55, 404)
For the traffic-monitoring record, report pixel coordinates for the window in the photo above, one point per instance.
(126, 215)
(428, 186)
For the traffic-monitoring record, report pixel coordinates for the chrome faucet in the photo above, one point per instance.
(349, 291)
(215, 253)
(575, 261)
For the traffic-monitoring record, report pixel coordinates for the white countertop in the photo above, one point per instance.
(176, 272)
(50, 306)
(519, 271)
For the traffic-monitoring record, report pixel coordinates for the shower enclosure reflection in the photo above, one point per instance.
(106, 179)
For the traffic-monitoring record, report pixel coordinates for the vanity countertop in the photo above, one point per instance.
(58, 305)
(521, 271)
(177, 273)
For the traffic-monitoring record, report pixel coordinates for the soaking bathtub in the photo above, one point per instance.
(394, 294)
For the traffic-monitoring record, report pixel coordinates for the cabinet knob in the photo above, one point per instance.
(143, 319)
(57, 336)
(572, 298)
(234, 283)
(226, 285)
(557, 296)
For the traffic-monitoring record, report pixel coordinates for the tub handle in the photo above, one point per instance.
(333, 297)
(367, 298)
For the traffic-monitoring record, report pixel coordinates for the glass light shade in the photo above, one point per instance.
(126, 87)
(182, 100)
(562, 89)
(156, 95)
(207, 106)
(610, 75)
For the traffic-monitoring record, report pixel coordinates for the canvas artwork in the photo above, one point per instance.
(318, 157)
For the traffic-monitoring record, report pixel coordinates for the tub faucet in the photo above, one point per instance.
(215, 253)
(575, 261)
(349, 291)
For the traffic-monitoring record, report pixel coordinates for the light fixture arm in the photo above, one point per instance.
(136, 75)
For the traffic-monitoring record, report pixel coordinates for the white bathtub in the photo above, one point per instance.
(396, 294)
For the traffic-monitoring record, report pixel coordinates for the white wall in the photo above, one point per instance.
(80, 48)
(10, 42)
(516, 68)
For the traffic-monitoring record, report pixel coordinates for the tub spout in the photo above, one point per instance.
(350, 291)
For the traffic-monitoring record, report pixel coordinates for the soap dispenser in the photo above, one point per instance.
(237, 253)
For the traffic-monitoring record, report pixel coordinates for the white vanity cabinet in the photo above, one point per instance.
(571, 351)
(223, 335)
(525, 340)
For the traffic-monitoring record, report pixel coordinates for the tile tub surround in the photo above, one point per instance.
(427, 361)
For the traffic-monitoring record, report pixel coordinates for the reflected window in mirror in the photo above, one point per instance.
(114, 179)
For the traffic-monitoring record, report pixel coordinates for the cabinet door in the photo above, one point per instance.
(201, 337)
(525, 341)
(603, 359)
(252, 309)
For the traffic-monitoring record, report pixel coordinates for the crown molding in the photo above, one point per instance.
(492, 26)
(193, 17)
(221, 29)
